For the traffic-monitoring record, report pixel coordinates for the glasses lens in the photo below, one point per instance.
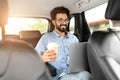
(62, 20)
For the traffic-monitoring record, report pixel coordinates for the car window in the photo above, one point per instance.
(96, 18)
(72, 25)
(15, 25)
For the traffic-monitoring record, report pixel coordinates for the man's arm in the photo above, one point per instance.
(41, 48)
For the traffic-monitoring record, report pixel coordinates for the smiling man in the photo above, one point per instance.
(60, 36)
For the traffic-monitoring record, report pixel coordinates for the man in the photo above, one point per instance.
(63, 39)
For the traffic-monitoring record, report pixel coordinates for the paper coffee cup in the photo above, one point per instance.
(53, 46)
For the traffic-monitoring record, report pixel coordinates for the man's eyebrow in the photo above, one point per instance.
(62, 18)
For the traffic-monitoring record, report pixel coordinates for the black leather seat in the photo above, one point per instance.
(19, 61)
(104, 55)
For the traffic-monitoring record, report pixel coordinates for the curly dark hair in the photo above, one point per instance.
(60, 9)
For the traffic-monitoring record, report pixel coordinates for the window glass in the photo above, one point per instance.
(15, 25)
(72, 25)
(95, 18)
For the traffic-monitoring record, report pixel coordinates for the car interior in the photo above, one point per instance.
(97, 51)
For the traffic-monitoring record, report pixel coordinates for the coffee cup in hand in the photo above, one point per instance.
(53, 46)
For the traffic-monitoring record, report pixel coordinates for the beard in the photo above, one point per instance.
(62, 27)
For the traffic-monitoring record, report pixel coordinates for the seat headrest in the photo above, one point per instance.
(11, 37)
(30, 34)
(113, 10)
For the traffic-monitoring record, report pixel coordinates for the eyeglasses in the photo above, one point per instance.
(62, 20)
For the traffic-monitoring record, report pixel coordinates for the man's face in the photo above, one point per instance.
(61, 22)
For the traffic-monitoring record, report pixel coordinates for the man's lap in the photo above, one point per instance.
(83, 75)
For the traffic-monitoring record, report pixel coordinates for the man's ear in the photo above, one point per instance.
(53, 22)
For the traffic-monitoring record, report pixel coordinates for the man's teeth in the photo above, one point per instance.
(63, 26)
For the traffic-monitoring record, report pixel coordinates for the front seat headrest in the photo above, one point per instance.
(113, 10)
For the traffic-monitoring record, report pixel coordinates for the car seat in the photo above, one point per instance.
(104, 55)
(19, 61)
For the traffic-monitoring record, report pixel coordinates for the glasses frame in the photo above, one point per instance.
(61, 20)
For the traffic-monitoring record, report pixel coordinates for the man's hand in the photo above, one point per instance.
(49, 55)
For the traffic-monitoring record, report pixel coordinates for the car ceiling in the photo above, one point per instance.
(41, 8)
